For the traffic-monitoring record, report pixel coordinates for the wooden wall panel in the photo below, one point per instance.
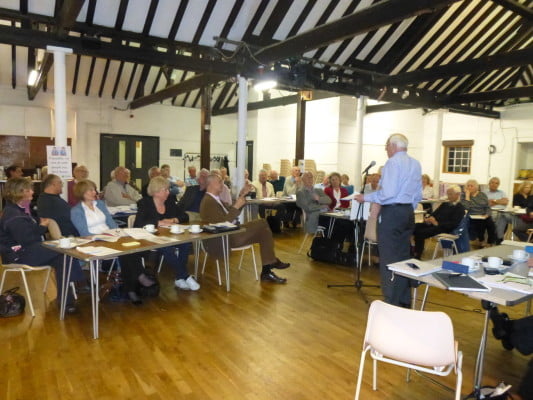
(27, 151)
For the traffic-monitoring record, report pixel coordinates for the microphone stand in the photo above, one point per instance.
(358, 284)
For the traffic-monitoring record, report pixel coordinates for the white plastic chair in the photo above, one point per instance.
(23, 269)
(419, 340)
(242, 249)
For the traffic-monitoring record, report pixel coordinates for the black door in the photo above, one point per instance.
(137, 153)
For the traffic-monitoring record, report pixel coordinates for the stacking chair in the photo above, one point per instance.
(23, 269)
(419, 340)
(242, 249)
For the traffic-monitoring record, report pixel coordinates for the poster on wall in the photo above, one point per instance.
(59, 161)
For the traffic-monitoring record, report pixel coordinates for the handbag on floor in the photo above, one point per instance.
(326, 250)
(11, 303)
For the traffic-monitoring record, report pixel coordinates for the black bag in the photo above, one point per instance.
(274, 223)
(326, 250)
(150, 291)
(11, 303)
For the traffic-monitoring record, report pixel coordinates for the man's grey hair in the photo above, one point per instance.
(455, 188)
(399, 140)
(151, 171)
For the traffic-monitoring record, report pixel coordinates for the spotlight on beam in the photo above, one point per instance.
(265, 80)
(32, 78)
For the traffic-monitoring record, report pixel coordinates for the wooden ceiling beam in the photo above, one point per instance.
(366, 20)
(66, 18)
(517, 8)
(502, 94)
(482, 64)
(188, 85)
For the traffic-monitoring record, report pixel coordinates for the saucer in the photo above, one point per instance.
(195, 232)
(177, 233)
(518, 259)
(154, 231)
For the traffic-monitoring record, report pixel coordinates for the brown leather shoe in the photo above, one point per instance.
(280, 265)
(272, 277)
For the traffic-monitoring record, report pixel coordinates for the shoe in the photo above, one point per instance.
(191, 282)
(70, 309)
(280, 265)
(145, 280)
(272, 277)
(135, 299)
(187, 284)
(500, 322)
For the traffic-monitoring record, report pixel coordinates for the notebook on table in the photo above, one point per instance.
(457, 281)
(414, 267)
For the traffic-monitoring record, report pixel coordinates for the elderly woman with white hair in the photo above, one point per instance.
(444, 219)
(160, 209)
(477, 205)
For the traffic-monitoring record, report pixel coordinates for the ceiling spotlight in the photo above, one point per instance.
(265, 80)
(32, 78)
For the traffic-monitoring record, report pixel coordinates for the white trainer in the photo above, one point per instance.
(191, 282)
(181, 284)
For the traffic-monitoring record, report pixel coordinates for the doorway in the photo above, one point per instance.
(137, 153)
(248, 158)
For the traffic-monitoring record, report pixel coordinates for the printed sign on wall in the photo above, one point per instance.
(59, 161)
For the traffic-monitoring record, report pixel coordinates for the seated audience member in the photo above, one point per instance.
(119, 192)
(345, 180)
(21, 234)
(427, 189)
(521, 197)
(477, 204)
(51, 205)
(14, 171)
(498, 201)
(152, 173)
(522, 223)
(79, 173)
(161, 209)
(212, 210)
(191, 180)
(277, 181)
(248, 182)
(177, 186)
(324, 184)
(312, 201)
(192, 198)
(44, 172)
(264, 189)
(444, 219)
(225, 177)
(336, 192)
(225, 196)
(290, 187)
(91, 217)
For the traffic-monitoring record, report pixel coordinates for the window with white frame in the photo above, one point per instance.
(457, 156)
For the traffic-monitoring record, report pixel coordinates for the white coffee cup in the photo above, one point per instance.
(495, 262)
(195, 228)
(175, 229)
(469, 262)
(64, 243)
(520, 254)
(149, 227)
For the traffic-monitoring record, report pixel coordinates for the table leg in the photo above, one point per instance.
(67, 266)
(93, 266)
(478, 374)
(196, 246)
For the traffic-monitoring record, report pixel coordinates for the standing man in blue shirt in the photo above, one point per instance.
(400, 190)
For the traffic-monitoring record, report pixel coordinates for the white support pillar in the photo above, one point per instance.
(438, 153)
(60, 100)
(238, 179)
(358, 156)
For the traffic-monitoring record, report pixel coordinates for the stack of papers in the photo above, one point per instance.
(97, 251)
(424, 268)
(509, 281)
(139, 233)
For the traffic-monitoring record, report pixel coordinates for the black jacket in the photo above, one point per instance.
(147, 213)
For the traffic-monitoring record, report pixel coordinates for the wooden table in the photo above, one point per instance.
(495, 296)
(143, 245)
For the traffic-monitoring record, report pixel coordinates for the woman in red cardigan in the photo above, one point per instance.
(336, 192)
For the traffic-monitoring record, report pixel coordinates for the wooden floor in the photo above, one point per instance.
(301, 340)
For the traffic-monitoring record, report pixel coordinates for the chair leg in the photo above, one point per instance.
(375, 375)
(27, 292)
(160, 264)
(3, 279)
(255, 263)
(459, 376)
(218, 273)
(73, 288)
(303, 243)
(48, 271)
(360, 375)
(423, 304)
(369, 261)
(242, 256)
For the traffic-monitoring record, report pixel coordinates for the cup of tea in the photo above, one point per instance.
(494, 262)
(469, 262)
(520, 254)
(149, 227)
(64, 243)
(195, 229)
(175, 229)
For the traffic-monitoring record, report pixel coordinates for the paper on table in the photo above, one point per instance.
(98, 251)
(509, 281)
(139, 233)
(424, 268)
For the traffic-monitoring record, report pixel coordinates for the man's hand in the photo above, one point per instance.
(431, 221)
(360, 198)
(126, 196)
(240, 202)
(247, 188)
